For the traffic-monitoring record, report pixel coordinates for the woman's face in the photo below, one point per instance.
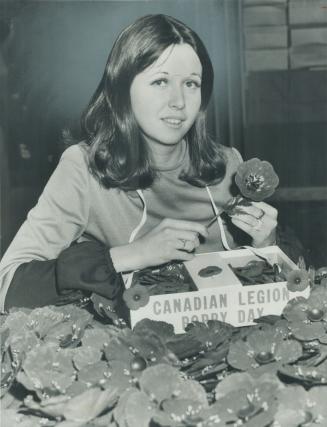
(166, 96)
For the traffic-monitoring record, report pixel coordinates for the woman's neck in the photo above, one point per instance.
(167, 157)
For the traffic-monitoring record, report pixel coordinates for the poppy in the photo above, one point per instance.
(136, 297)
(256, 179)
(308, 317)
(263, 347)
(297, 280)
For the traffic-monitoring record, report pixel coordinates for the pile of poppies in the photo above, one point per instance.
(69, 366)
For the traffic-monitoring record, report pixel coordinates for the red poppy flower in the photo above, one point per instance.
(268, 346)
(136, 297)
(243, 400)
(308, 317)
(256, 179)
(297, 280)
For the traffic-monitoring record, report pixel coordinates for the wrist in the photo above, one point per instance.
(269, 241)
(125, 258)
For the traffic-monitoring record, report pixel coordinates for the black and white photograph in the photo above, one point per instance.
(163, 213)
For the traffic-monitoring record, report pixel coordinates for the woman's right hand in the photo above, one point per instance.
(172, 239)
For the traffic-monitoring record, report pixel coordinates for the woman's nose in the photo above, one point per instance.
(176, 98)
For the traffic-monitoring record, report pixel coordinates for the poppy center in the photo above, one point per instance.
(254, 182)
(315, 314)
(136, 297)
(246, 411)
(264, 357)
(138, 363)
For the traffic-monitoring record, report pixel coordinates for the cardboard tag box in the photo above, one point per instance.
(222, 296)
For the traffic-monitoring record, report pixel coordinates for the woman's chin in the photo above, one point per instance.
(165, 140)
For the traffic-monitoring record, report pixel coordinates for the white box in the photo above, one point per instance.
(232, 302)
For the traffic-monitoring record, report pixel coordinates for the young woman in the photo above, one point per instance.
(144, 182)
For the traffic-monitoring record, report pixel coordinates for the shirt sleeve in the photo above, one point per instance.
(59, 218)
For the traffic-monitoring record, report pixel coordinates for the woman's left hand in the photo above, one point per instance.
(259, 220)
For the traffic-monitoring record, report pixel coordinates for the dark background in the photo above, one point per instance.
(53, 54)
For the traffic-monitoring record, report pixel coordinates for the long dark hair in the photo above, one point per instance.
(118, 153)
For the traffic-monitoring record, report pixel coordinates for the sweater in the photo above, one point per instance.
(75, 208)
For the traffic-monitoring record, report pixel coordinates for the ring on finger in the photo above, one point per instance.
(183, 242)
(261, 215)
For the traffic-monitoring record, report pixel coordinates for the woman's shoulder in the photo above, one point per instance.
(72, 168)
(232, 157)
(73, 164)
(76, 153)
(76, 157)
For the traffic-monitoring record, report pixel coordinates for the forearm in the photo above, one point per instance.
(86, 266)
(126, 258)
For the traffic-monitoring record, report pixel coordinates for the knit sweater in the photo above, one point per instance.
(74, 207)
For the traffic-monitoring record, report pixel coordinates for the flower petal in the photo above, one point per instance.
(264, 340)
(295, 310)
(160, 381)
(290, 411)
(138, 410)
(232, 382)
(307, 331)
(288, 351)
(89, 404)
(241, 355)
(318, 395)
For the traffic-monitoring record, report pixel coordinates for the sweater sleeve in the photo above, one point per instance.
(59, 219)
(84, 266)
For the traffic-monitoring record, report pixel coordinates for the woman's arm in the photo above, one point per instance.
(41, 257)
(84, 266)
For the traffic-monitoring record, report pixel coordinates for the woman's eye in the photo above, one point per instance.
(160, 82)
(193, 84)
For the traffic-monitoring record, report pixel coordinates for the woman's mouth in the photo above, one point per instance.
(173, 123)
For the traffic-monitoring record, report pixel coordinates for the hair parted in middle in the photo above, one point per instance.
(118, 153)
